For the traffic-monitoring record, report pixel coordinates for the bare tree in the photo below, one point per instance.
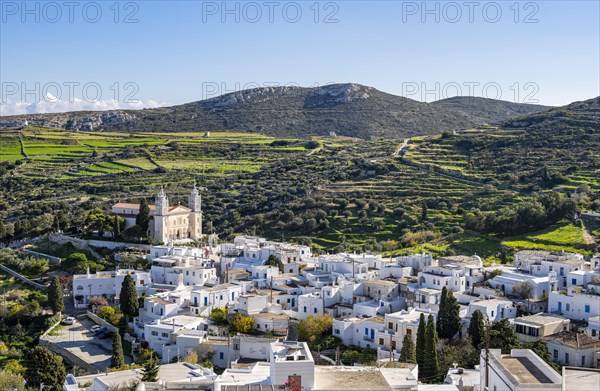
(524, 290)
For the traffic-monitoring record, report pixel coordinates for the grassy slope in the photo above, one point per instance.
(565, 236)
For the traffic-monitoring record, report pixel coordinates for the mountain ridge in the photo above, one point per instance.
(347, 109)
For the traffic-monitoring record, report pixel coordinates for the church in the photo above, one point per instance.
(168, 224)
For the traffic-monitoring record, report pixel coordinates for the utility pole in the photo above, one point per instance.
(228, 342)
(271, 289)
(487, 354)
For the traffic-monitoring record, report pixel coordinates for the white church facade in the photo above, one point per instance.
(168, 224)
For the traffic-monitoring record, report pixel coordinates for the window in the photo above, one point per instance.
(593, 333)
(568, 307)
(409, 331)
(337, 331)
(164, 335)
(154, 333)
(381, 341)
(555, 355)
(587, 308)
(573, 281)
(366, 331)
(221, 355)
(304, 308)
(315, 310)
(566, 358)
(583, 361)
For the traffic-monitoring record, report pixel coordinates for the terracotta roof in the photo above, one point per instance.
(575, 340)
(131, 206)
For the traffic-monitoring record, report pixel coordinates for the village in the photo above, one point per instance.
(240, 307)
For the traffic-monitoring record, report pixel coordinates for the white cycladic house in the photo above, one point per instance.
(541, 286)
(204, 298)
(106, 284)
(310, 304)
(177, 251)
(358, 331)
(542, 263)
(194, 270)
(593, 327)
(576, 302)
(438, 277)
(292, 359)
(162, 332)
(493, 309)
(574, 349)
(522, 369)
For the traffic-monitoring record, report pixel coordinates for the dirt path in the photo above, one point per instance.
(401, 148)
(587, 237)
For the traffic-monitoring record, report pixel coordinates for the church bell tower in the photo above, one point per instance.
(160, 219)
(195, 204)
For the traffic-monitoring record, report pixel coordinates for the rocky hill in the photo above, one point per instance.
(575, 117)
(487, 110)
(347, 109)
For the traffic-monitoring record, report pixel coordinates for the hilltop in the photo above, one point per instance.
(492, 111)
(347, 109)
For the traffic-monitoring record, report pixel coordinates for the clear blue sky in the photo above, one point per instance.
(182, 51)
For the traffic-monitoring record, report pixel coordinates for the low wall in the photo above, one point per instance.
(23, 278)
(53, 260)
(98, 320)
(85, 243)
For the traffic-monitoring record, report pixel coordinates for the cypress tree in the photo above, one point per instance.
(128, 298)
(407, 353)
(430, 364)
(116, 227)
(442, 313)
(117, 360)
(47, 368)
(143, 217)
(150, 370)
(55, 296)
(449, 321)
(476, 329)
(420, 350)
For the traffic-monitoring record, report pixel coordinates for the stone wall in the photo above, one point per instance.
(23, 278)
(98, 320)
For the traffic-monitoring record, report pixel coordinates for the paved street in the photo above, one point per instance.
(79, 340)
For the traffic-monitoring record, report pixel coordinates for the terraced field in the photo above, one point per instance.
(336, 193)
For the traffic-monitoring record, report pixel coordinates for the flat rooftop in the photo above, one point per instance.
(523, 369)
(349, 378)
(540, 319)
(581, 379)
